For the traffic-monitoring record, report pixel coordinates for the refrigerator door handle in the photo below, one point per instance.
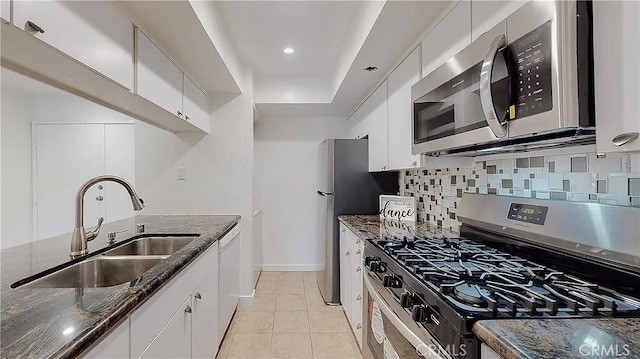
(325, 193)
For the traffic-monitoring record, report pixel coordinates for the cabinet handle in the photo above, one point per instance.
(186, 118)
(180, 114)
(358, 269)
(35, 27)
(357, 241)
(359, 326)
(187, 309)
(359, 297)
(99, 198)
(358, 251)
(197, 296)
(348, 253)
(624, 138)
(414, 163)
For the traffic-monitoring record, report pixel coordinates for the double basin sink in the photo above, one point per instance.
(124, 263)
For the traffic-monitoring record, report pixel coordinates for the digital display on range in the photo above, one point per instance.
(527, 213)
(532, 56)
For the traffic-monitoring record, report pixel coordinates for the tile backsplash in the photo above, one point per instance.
(579, 177)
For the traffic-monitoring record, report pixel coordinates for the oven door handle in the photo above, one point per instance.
(397, 322)
(486, 98)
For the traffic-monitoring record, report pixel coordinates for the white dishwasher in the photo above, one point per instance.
(228, 278)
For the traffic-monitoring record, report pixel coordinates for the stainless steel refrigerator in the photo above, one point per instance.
(346, 187)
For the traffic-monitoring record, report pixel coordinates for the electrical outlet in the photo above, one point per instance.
(182, 174)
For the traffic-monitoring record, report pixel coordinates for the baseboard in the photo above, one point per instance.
(247, 299)
(291, 267)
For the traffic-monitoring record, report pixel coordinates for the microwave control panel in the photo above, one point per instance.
(532, 56)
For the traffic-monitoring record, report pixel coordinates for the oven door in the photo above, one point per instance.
(447, 106)
(388, 336)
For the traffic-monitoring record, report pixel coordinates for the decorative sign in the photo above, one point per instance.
(377, 325)
(398, 208)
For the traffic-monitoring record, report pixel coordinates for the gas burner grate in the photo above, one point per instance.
(476, 278)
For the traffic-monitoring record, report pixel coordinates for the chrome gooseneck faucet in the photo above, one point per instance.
(80, 235)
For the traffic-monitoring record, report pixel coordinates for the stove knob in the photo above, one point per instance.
(418, 313)
(387, 280)
(407, 299)
(391, 281)
(373, 265)
(368, 259)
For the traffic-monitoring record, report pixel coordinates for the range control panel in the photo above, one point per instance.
(527, 213)
(532, 56)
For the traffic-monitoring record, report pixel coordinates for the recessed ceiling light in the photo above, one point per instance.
(288, 51)
(370, 68)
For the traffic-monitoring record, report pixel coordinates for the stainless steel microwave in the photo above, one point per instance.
(526, 83)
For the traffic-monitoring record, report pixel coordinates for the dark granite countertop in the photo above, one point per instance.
(370, 226)
(54, 322)
(562, 338)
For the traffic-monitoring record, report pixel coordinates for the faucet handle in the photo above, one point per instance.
(111, 236)
(91, 235)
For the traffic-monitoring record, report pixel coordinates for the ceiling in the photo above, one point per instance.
(333, 42)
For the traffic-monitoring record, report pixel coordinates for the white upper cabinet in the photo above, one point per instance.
(96, 33)
(376, 119)
(487, 14)
(617, 70)
(400, 137)
(451, 35)
(5, 10)
(195, 104)
(159, 80)
(370, 120)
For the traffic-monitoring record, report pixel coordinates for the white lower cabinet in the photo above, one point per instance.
(351, 276)
(114, 346)
(204, 325)
(174, 341)
(179, 321)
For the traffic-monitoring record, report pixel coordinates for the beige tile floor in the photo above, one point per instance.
(289, 319)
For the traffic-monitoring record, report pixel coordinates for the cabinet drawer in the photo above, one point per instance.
(96, 33)
(153, 315)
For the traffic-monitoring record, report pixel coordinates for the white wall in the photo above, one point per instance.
(218, 167)
(17, 207)
(286, 181)
(20, 108)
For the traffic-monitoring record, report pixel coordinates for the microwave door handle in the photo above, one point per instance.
(486, 99)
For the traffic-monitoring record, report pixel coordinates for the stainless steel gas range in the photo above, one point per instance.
(516, 258)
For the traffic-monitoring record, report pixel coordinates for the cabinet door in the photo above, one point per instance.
(616, 25)
(96, 33)
(376, 119)
(174, 341)
(447, 38)
(345, 274)
(5, 10)
(115, 345)
(356, 294)
(400, 137)
(204, 336)
(487, 14)
(159, 80)
(195, 104)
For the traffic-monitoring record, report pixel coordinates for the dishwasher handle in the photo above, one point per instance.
(228, 238)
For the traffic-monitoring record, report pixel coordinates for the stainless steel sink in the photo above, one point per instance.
(151, 246)
(98, 272)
